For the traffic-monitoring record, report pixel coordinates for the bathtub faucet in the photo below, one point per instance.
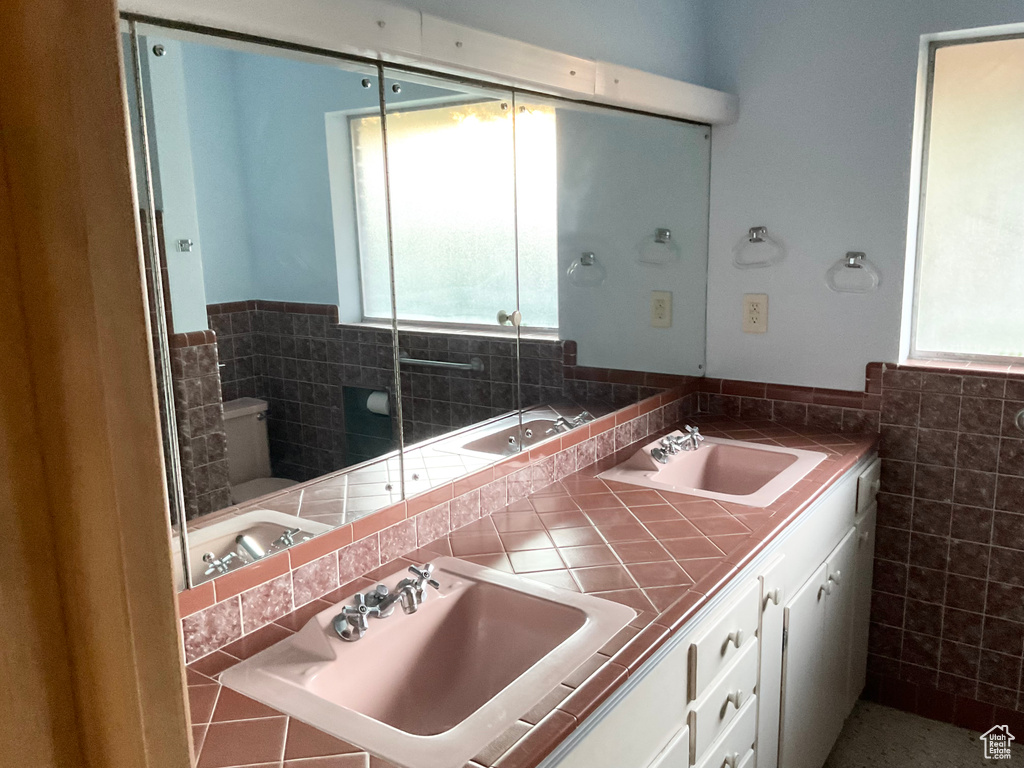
(562, 424)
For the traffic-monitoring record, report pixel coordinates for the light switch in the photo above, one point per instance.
(661, 309)
(755, 313)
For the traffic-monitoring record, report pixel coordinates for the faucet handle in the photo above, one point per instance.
(219, 564)
(361, 608)
(353, 621)
(423, 574)
(288, 537)
(660, 455)
(694, 434)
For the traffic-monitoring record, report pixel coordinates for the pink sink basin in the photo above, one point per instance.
(431, 689)
(725, 470)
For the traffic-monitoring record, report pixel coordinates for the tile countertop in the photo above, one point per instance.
(661, 553)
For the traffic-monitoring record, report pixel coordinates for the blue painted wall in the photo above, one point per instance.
(222, 194)
(173, 157)
(281, 108)
(821, 154)
(262, 184)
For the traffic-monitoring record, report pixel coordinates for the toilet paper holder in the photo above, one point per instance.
(379, 402)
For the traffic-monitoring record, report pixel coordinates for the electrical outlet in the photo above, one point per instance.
(755, 313)
(661, 309)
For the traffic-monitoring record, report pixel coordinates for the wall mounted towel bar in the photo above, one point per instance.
(475, 364)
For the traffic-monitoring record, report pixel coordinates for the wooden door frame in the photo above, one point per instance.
(90, 648)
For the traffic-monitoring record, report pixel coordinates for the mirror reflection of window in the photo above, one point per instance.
(453, 181)
(289, 392)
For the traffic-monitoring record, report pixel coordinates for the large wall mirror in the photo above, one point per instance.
(457, 261)
(366, 281)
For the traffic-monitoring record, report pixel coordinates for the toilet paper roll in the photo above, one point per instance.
(379, 402)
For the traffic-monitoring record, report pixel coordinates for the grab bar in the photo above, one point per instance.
(475, 364)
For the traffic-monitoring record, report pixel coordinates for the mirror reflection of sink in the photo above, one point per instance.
(498, 443)
(503, 437)
(430, 689)
(265, 526)
(724, 470)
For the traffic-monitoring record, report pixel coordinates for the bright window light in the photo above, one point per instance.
(970, 282)
(455, 173)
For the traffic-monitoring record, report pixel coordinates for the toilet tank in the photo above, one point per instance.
(245, 424)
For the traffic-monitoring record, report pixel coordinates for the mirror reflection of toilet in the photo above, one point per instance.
(245, 423)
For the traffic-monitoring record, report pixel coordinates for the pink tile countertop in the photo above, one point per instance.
(663, 554)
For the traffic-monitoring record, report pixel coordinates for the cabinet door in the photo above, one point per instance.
(769, 685)
(862, 572)
(642, 723)
(840, 591)
(676, 754)
(803, 741)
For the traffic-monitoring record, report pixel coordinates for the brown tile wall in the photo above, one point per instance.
(611, 387)
(829, 409)
(435, 401)
(948, 604)
(289, 355)
(297, 357)
(199, 416)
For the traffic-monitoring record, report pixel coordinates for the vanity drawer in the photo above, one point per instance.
(734, 749)
(676, 754)
(717, 708)
(868, 484)
(731, 631)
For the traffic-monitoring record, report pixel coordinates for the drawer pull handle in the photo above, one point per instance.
(735, 698)
(731, 760)
(876, 486)
(736, 638)
(826, 588)
(864, 536)
(836, 577)
(772, 597)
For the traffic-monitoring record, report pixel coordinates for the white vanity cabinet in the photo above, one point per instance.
(816, 655)
(765, 676)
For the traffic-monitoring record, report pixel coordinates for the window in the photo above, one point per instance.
(969, 300)
(453, 180)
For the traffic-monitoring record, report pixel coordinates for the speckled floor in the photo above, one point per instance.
(880, 737)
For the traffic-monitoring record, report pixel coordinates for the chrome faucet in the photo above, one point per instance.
(250, 546)
(563, 424)
(692, 439)
(354, 620)
(287, 539)
(220, 564)
(673, 444)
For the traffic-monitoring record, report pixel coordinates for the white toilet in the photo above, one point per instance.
(245, 424)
